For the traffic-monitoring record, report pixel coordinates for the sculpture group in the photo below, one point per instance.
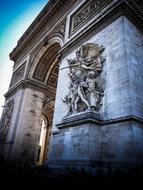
(86, 84)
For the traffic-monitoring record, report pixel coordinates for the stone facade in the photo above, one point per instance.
(94, 122)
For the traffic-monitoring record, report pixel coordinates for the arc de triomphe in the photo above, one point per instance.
(76, 93)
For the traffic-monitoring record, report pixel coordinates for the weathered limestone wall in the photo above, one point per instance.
(120, 142)
(114, 138)
(116, 101)
(134, 50)
(29, 126)
(77, 143)
(17, 98)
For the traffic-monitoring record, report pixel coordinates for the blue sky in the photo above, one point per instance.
(15, 17)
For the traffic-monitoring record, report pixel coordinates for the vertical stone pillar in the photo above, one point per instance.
(23, 136)
(29, 124)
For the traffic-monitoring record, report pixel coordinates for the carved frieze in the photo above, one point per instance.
(84, 13)
(60, 31)
(18, 74)
(86, 87)
(6, 119)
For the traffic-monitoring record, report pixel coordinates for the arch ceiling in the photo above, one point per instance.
(48, 110)
(45, 63)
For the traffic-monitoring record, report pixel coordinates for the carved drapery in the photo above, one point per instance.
(6, 119)
(86, 84)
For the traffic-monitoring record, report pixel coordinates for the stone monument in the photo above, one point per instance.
(76, 94)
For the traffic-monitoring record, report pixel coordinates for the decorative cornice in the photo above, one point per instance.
(36, 23)
(27, 84)
(85, 13)
(18, 74)
(47, 14)
(94, 118)
(109, 14)
(122, 7)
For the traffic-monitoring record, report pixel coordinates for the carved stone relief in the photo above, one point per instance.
(6, 119)
(84, 12)
(60, 31)
(86, 84)
(18, 74)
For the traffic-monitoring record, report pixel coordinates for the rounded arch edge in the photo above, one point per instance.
(45, 48)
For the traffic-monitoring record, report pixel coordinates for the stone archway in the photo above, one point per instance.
(44, 67)
(45, 132)
(46, 72)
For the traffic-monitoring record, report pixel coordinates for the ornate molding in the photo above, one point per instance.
(18, 74)
(92, 117)
(59, 32)
(86, 87)
(48, 108)
(28, 84)
(110, 13)
(45, 63)
(53, 77)
(90, 8)
(54, 11)
(84, 13)
(6, 119)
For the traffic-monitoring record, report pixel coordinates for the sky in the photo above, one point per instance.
(15, 17)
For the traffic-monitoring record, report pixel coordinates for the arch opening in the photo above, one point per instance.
(44, 141)
(48, 68)
(46, 63)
